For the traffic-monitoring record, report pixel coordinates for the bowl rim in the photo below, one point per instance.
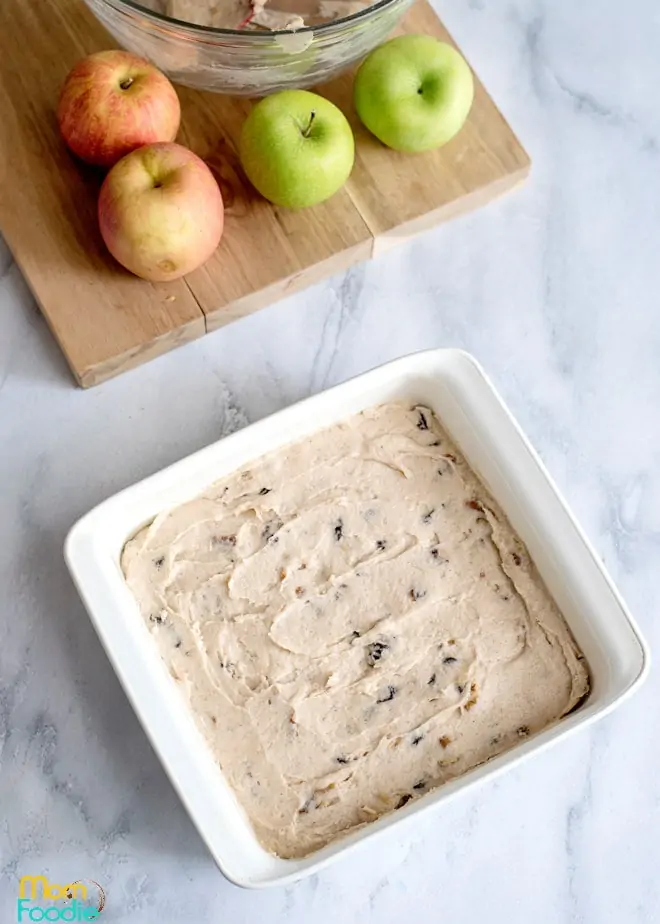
(210, 31)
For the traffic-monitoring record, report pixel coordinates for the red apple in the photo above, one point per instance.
(161, 212)
(113, 102)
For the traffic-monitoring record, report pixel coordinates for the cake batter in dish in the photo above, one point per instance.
(353, 622)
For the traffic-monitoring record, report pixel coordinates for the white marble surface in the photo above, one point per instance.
(555, 290)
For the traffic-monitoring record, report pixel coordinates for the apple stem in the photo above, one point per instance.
(307, 130)
(126, 83)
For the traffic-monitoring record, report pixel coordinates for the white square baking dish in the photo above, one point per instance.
(455, 387)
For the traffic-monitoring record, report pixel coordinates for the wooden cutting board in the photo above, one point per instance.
(106, 320)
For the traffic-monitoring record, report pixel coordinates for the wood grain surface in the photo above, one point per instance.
(107, 321)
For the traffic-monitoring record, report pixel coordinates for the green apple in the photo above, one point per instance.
(414, 93)
(297, 148)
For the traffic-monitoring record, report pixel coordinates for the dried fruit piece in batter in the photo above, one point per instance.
(375, 651)
(391, 693)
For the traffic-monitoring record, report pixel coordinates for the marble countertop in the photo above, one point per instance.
(555, 290)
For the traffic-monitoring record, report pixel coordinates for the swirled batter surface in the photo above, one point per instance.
(353, 622)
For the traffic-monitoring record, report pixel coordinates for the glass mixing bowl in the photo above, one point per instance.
(247, 63)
